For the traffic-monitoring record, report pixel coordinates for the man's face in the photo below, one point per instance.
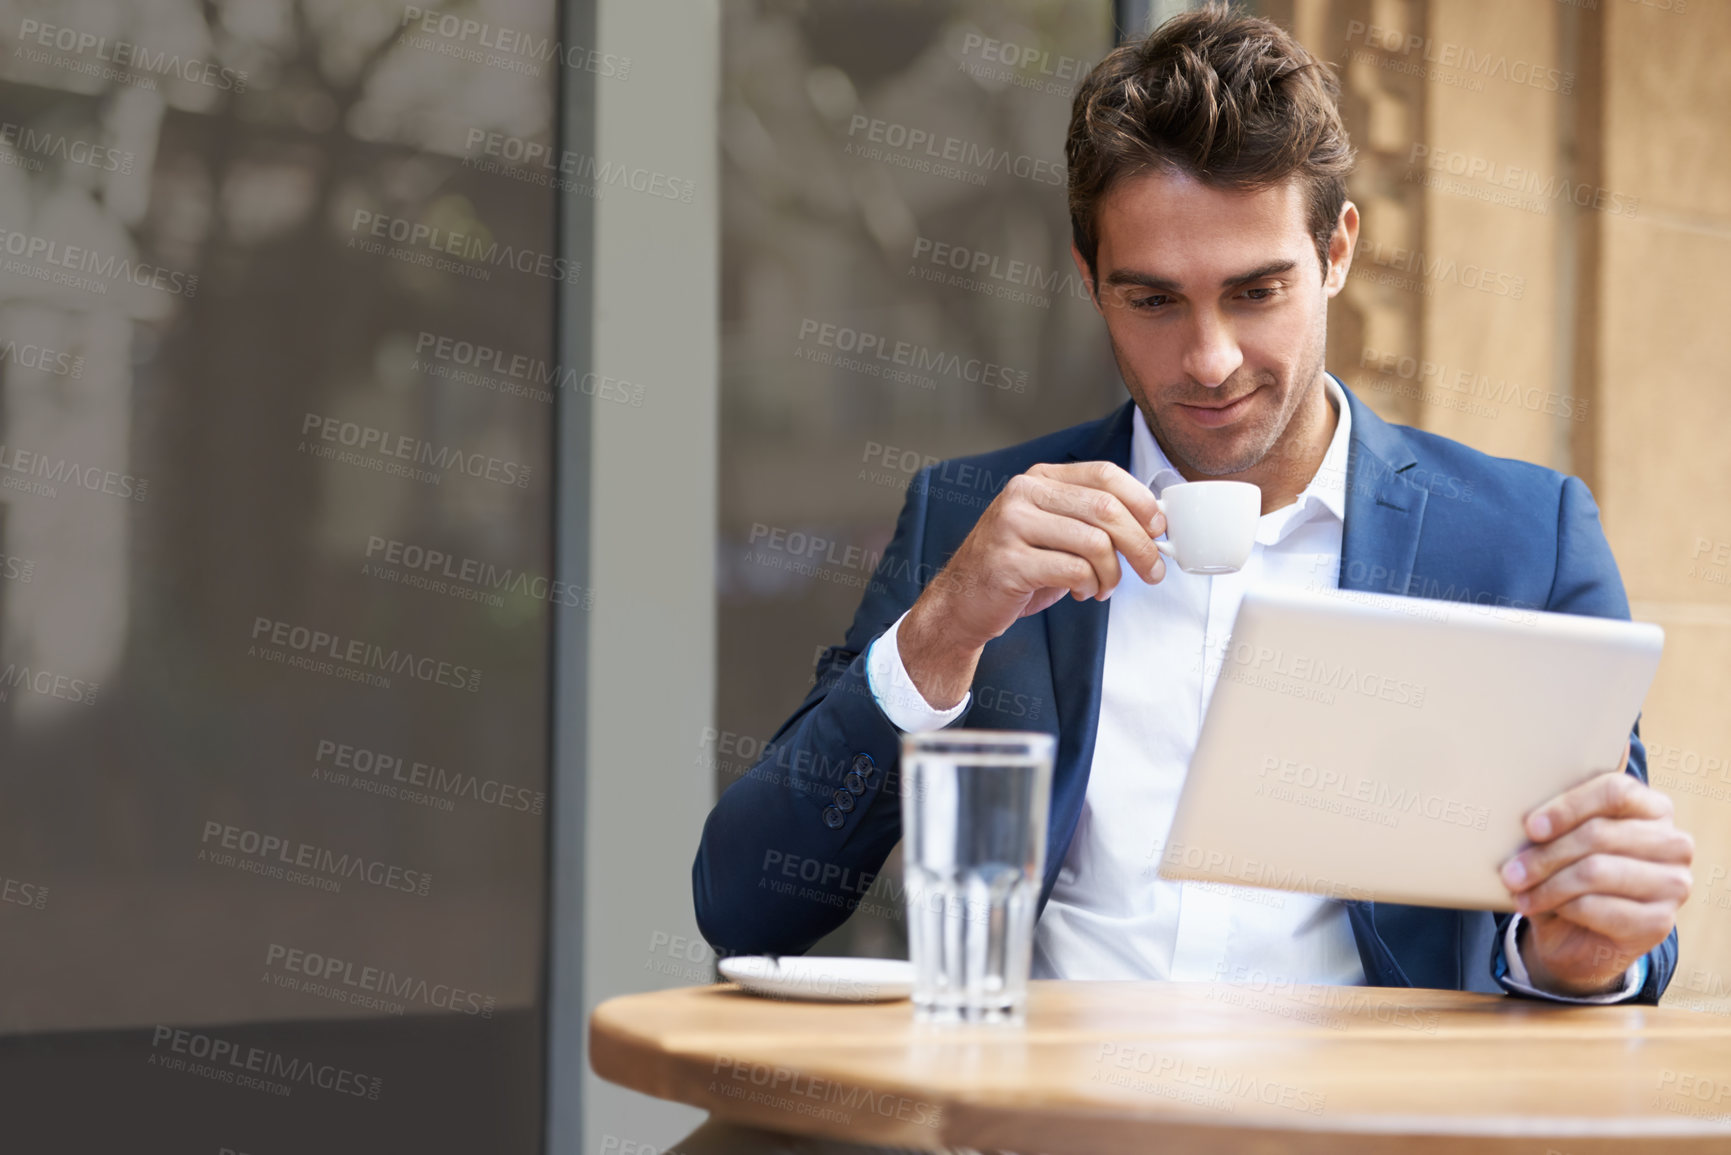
(1216, 306)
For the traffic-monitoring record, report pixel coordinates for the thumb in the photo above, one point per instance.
(1042, 599)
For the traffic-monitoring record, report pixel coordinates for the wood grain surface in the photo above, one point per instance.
(1180, 1068)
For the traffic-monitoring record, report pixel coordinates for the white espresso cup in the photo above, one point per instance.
(1210, 525)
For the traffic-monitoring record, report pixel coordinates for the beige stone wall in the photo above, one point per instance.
(1660, 453)
(1597, 348)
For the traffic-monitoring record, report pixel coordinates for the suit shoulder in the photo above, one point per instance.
(1499, 479)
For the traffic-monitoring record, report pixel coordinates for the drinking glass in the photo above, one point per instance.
(974, 806)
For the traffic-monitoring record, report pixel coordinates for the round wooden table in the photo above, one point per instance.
(1178, 1068)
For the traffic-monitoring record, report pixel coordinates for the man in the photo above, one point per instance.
(1207, 171)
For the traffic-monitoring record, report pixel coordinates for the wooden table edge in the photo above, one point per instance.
(930, 1118)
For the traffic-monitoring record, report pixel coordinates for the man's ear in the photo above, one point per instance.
(1087, 276)
(1340, 249)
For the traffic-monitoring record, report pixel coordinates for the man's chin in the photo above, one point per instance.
(1224, 457)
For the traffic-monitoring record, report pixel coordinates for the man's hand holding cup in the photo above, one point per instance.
(1056, 530)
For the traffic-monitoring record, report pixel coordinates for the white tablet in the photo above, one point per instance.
(1388, 749)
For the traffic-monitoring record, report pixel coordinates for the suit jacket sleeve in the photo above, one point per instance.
(776, 870)
(1587, 582)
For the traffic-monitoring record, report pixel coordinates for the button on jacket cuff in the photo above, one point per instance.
(896, 694)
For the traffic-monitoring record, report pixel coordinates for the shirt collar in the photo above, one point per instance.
(1326, 490)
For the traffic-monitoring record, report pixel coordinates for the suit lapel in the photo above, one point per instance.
(1384, 511)
(1385, 507)
(1076, 640)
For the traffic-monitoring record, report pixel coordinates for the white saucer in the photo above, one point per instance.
(822, 980)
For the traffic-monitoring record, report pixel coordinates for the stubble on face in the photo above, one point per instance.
(1265, 435)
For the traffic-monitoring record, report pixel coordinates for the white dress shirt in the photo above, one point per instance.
(1110, 915)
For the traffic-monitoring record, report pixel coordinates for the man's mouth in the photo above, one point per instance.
(1214, 416)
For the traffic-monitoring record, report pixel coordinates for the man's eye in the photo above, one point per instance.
(1264, 293)
(1147, 302)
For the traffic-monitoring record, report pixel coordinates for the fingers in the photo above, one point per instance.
(1606, 859)
(1104, 515)
(1043, 598)
(1622, 920)
(1608, 876)
(1612, 794)
(1652, 840)
(1056, 569)
(1115, 480)
(1107, 509)
(1055, 537)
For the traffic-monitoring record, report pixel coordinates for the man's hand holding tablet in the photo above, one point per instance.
(1601, 884)
(1485, 792)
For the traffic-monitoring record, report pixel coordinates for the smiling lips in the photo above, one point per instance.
(1213, 416)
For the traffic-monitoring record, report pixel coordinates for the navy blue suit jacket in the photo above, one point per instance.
(792, 846)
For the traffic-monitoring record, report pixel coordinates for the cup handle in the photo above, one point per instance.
(1165, 547)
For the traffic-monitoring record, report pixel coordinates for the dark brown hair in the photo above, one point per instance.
(1229, 99)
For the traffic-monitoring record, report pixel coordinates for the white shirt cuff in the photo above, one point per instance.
(1519, 978)
(896, 694)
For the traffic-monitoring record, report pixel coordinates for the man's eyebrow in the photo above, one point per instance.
(1166, 285)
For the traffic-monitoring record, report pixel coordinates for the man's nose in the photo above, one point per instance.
(1211, 354)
